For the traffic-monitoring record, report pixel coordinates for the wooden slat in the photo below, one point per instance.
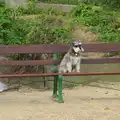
(29, 62)
(57, 48)
(51, 62)
(54, 74)
(101, 61)
(103, 47)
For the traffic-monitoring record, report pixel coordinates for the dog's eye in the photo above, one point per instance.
(76, 46)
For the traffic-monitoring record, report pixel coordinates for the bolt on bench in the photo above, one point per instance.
(54, 50)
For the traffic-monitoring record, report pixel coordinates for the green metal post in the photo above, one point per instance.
(60, 96)
(55, 78)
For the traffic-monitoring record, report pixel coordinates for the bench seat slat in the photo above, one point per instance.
(101, 61)
(58, 48)
(51, 62)
(29, 62)
(54, 74)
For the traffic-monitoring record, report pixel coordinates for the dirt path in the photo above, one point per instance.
(83, 103)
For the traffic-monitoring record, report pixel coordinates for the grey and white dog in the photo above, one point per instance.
(72, 59)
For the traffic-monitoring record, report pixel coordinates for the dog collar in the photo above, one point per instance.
(76, 54)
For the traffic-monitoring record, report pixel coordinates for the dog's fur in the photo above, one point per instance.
(71, 61)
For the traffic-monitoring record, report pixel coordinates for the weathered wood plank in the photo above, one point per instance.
(12, 49)
(54, 74)
(51, 62)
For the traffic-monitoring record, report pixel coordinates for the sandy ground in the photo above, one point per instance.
(83, 103)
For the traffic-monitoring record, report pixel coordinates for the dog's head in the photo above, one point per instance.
(77, 47)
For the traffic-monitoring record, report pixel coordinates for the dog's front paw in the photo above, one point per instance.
(69, 70)
(77, 70)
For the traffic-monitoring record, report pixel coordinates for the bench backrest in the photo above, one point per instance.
(58, 48)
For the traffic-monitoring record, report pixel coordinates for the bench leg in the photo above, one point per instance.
(55, 87)
(55, 78)
(60, 96)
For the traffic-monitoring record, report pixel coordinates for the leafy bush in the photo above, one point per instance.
(99, 21)
(112, 4)
(49, 26)
(47, 29)
(33, 26)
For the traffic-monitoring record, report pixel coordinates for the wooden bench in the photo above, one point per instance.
(54, 49)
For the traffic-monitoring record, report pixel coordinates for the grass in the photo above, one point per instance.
(104, 22)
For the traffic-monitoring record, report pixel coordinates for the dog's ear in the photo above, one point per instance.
(82, 49)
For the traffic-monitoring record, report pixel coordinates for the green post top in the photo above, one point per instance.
(54, 68)
(54, 56)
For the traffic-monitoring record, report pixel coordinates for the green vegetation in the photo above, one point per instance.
(112, 4)
(48, 27)
(105, 23)
(52, 26)
(33, 26)
(71, 2)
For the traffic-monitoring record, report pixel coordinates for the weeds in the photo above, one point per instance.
(106, 23)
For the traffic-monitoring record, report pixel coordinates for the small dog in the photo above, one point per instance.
(72, 58)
